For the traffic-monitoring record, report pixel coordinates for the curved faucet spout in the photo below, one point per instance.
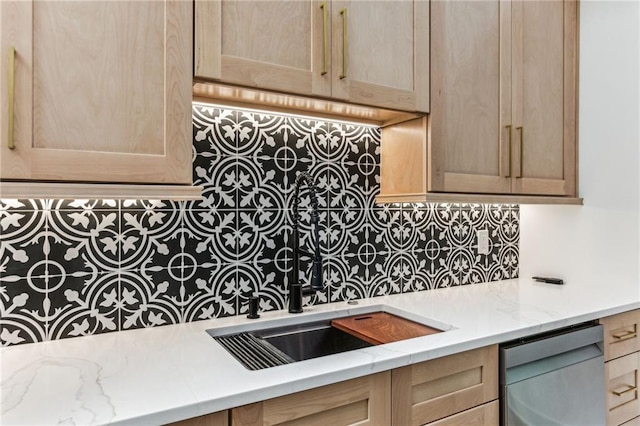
(296, 288)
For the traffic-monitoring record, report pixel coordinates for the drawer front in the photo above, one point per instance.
(622, 389)
(484, 415)
(621, 334)
(432, 390)
(633, 422)
(364, 401)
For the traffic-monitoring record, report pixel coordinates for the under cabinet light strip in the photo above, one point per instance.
(282, 114)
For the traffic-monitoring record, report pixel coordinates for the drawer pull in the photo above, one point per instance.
(628, 389)
(625, 335)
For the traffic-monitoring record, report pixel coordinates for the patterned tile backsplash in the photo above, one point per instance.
(79, 267)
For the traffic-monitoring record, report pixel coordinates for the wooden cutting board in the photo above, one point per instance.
(381, 327)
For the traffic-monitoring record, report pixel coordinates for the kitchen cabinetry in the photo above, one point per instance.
(101, 92)
(335, 49)
(434, 390)
(503, 105)
(486, 414)
(454, 390)
(622, 367)
(363, 401)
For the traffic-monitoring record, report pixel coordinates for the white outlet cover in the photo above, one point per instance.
(483, 242)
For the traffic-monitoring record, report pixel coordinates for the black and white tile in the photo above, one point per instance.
(78, 267)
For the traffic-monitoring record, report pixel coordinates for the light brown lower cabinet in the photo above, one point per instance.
(460, 389)
(432, 390)
(484, 415)
(621, 334)
(622, 367)
(363, 401)
(622, 388)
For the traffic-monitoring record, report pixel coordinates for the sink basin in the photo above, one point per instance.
(311, 340)
(292, 339)
(271, 347)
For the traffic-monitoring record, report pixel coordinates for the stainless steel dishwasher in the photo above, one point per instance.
(554, 379)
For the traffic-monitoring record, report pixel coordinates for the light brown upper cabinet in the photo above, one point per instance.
(503, 105)
(98, 91)
(373, 53)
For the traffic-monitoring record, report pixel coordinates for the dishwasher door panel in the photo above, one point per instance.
(573, 395)
(554, 379)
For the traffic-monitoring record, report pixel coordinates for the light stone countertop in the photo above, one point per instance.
(169, 373)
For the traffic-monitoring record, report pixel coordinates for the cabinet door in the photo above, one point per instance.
(432, 390)
(102, 91)
(381, 53)
(470, 103)
(364, 401)
(544, 96)
(281, 45)
(484, 415)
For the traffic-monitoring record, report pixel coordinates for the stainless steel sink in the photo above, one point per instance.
(312, 340)
(270, 344)
(283, 345)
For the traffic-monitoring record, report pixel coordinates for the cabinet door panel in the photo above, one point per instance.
(15, 22)
(386, 61)
(539, 98)
(88, 76)
(433, 390)
(470, 107)
(275, 44)
(103, 91)
(363, 401)
(484, 415)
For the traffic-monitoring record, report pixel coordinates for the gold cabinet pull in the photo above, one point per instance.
(521, 130)
(325, 42)
(510, 127)
(12, 81)
(622, 392)
(343, 12)
(625, 335)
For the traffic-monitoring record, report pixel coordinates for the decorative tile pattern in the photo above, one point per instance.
(83, 304)
(79, 267)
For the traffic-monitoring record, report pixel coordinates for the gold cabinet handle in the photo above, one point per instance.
(12, 81)
(625, 335)
(622, 392)
(325, 42)
(521, 130)
(510, 127)
(343, 12)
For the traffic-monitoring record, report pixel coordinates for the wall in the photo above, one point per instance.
(77, 267)
(598, 244)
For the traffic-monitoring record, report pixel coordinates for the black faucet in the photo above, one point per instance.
(296, 289)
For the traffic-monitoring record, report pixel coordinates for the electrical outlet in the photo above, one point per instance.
(483, 242)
